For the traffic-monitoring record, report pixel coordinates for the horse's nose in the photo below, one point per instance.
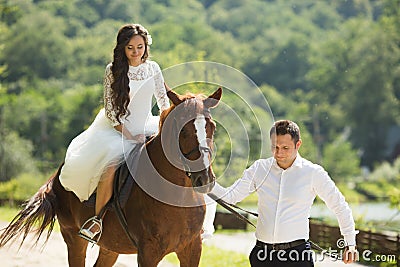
(202, 183)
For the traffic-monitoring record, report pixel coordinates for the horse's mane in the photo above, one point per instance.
(164, 114)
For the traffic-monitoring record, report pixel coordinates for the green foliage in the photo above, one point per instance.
(361, 49)
(21, 188)
(394, 195)
(382, 183)
(7, 213)
(375, 191)
(387, 171)
(351, 195)
(15, 156)
(341, 160)
(329, 66)
(30, 54)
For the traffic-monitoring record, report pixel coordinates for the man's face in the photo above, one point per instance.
(284, 149)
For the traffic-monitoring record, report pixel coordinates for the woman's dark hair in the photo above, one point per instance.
(283, 127)
(120, 66)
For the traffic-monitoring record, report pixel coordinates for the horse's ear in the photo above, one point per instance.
(174, 97)
(213, 99)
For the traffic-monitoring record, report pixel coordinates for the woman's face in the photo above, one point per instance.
(134, 50)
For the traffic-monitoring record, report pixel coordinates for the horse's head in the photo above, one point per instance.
(192, 133)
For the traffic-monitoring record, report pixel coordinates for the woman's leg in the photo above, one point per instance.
(104, 189)
(93, 227)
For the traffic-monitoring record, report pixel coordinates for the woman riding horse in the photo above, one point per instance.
(163, 212)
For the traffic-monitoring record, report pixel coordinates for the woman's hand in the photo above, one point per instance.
(140, 138)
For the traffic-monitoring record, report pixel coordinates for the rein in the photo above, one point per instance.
(231, 207)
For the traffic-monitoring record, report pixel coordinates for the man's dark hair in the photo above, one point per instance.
(283, 127)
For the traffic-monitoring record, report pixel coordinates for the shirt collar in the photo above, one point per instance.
(298, 162)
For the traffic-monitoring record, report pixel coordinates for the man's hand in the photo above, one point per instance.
(350, 254)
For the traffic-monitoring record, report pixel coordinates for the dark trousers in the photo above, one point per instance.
(299, 256)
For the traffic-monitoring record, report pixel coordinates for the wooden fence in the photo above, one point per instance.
(374, 248)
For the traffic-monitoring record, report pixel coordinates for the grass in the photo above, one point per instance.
(7, 213)
(215, 257)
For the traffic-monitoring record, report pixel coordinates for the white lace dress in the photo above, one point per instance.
(101, 145)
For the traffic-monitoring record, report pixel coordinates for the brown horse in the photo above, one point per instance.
(173, 163)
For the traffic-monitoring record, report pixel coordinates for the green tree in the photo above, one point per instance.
(340, 160)
(288, 60)
(92, 51)
(16, 156)
(357, 71)
(371, 104)
(10, 12)
(39, 50)
(326, 65)
(382, 183)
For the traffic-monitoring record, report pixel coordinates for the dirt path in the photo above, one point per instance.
(53, 254)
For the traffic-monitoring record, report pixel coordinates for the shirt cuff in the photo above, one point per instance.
(350, 239)
(218, 190)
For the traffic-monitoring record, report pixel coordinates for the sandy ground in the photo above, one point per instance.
(55, 252)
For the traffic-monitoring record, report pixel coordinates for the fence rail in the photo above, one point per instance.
(382, 246)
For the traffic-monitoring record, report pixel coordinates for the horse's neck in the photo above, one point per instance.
(181, 193)
(163, 166)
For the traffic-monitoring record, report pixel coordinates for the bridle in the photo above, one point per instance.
(184, 157)
(199, 148)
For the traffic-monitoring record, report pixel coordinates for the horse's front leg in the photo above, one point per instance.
(190, 255)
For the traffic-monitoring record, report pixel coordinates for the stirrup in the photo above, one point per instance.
(86, 233)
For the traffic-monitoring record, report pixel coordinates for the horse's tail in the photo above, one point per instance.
(39, 209)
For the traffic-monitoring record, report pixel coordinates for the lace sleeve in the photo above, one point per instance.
(108, 106)
(160, 91)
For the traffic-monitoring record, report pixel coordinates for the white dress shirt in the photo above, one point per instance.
(285, 198)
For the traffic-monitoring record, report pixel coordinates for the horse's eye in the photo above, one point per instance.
(184, 133)
(206, 150)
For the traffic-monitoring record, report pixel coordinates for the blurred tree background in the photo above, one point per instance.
(331, 66)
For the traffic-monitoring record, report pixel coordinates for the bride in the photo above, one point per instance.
(92, 157)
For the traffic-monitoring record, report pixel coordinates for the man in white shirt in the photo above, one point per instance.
(287, 185)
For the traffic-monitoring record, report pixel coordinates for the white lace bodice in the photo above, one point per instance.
(140, 74)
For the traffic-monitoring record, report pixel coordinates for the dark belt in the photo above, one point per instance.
(279, 246)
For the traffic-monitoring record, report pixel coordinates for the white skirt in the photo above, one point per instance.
(90, 153)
